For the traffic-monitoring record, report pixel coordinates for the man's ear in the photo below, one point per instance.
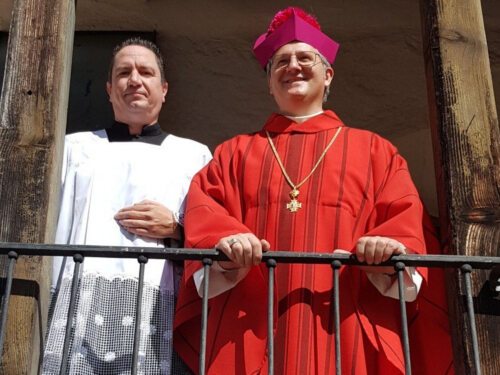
(269, 85)
(108, 90)
(329, 73)
(164, 89)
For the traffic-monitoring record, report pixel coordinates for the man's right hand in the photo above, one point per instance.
(243, 249)
(149, 219)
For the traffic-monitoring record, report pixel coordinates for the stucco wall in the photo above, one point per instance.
(218, 90)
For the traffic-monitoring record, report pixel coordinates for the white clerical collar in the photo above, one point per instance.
(303, 117)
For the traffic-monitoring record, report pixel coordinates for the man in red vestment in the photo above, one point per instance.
(308, 183)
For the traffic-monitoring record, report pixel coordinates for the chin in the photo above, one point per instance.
(133, 106)
(296, 88)
(296, 94)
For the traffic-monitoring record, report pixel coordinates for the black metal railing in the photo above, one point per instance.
(466, 264)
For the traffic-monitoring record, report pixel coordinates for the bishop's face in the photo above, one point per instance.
(136, 90)
(298, 76)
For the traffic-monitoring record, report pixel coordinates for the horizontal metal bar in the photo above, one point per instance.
(410, 260)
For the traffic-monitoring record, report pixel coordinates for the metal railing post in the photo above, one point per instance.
(78, 259)
(336, 264)
(271, 264)
(12, 256)
(138, 313)
(207, 263)
(466, 271)
(400, 269)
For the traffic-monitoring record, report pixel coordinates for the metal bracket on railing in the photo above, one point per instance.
(494, 281)
(487, 301)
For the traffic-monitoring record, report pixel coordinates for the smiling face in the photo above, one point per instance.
(296, 82)
(136, 90)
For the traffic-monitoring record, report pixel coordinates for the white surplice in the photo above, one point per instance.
(98, 179)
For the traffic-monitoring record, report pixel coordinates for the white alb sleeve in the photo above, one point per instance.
(219, 280)
(388, 285)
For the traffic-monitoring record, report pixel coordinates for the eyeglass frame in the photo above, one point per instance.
(314, 63)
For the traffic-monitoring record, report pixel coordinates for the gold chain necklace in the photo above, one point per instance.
(294, 204)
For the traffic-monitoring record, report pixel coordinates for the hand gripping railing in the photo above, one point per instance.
(272, 259)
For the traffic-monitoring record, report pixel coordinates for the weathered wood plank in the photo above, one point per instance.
(466, 140)
(33, 111)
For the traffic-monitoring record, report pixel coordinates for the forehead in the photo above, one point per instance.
(294, 47)
(135, 55)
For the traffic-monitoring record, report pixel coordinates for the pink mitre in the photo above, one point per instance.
(289, 25)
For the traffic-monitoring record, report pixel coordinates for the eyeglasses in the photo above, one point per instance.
(305, 59)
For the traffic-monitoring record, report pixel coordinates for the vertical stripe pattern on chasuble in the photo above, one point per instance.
(269, 168)
(315, 185)
(355, 349)
(365, 191)
(380, 188)
(218, 326)
(286, 220)
(242, 172)
(343, 162)
(330, 360)
(292, 161)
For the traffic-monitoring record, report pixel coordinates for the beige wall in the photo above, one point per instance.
(217, 89)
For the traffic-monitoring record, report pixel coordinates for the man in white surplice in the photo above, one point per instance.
(122, 186)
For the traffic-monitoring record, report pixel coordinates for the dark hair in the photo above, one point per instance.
(138, 41)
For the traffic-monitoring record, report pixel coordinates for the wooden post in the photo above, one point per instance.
(466, 142)
(33, 109)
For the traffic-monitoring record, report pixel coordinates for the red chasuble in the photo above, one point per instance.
(362, 187)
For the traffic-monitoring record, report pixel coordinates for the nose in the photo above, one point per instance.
(134, 78)
(293, 64)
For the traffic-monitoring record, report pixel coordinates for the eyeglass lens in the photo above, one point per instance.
(303, 58)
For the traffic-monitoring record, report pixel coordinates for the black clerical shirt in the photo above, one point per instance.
(151, 134)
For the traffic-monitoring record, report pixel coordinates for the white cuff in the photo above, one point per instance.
(388, 286)
(178, 217)
(219, 280)
(385, 284)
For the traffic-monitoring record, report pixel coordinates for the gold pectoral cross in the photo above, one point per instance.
(294, 204)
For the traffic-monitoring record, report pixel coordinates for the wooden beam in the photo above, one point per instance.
(33, 109)
(466, 140)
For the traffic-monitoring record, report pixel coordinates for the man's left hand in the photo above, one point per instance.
(148, 219)
(375, 249)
